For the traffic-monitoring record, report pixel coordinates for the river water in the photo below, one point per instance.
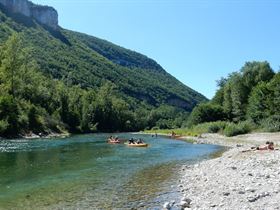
(84, 172)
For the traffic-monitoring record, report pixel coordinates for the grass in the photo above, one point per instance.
(222, 127)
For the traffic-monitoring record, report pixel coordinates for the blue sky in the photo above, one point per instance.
(198, 42)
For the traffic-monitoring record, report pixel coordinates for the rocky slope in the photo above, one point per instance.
(43, 14)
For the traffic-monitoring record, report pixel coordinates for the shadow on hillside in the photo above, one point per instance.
(57, 34)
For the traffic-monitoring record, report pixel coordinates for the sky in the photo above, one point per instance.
(196, 41)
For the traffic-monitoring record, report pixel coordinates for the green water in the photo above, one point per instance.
(84, 172)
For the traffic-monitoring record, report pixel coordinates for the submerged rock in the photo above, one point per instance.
(167, 206)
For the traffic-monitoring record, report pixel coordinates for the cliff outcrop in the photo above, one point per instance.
(43, 14)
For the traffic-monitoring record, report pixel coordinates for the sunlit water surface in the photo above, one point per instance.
(84, 172)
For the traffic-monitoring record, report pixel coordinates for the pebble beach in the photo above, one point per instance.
(239, 179)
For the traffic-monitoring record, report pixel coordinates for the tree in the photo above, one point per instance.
(238, 97)
(12, 57)
(9, 115)
(274, 103)
(227, 101)
(259, 102)
(255, 72)
(206, 112)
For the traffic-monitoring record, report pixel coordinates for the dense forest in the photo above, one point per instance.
(33, 102)
(65, 81)
(246, 100)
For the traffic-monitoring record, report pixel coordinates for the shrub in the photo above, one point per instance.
(206, 113)
(216, 127)
(210, 127)
(3, 126)
(271, 124)
(233, 129)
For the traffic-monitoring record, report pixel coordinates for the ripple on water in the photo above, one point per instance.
(85, 172)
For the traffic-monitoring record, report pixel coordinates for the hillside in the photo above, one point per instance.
(89, 62)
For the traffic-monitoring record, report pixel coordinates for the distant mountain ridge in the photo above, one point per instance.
(80, 59)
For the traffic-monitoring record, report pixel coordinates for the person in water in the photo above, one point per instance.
(173, 134)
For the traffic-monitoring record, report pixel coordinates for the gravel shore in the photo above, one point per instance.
(240, 179)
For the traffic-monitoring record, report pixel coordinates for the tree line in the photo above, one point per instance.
(250, 96)
(34, 102)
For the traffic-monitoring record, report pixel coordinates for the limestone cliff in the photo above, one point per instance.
(43, 14)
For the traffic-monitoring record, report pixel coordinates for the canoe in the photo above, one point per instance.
(137, 145)
(114, 141)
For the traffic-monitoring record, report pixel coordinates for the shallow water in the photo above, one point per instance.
(85, 172)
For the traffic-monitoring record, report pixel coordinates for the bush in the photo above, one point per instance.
(216, 127)
(233, 129)
(271, 124)
(210, 127)
(3, 126)
(206, 112)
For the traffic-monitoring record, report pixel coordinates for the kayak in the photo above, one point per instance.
(137, 145)
(114, 141)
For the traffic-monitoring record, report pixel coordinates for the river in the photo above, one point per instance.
(84, 172)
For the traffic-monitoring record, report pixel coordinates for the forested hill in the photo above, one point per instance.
(81, 59)
(69, 61)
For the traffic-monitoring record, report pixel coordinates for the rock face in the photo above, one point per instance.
(43, 14)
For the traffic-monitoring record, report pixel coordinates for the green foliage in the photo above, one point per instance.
(255, 72)
(259, 103)
(3, 126)
(274, 87)
(9, 115)
(216, 127)
(238, 97)
(11, 63)
(235, 91)
(197, 130)
(206, 112)
(233, 129)
(56, 81)
(79, 59)
(271, 124)
(64, 80)
(248, 99)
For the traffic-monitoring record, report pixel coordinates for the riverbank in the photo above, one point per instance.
(240, 179)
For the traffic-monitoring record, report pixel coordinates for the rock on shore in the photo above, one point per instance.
(240, 179)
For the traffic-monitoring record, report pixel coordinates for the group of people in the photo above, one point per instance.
(114, 139)
(134, 141)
